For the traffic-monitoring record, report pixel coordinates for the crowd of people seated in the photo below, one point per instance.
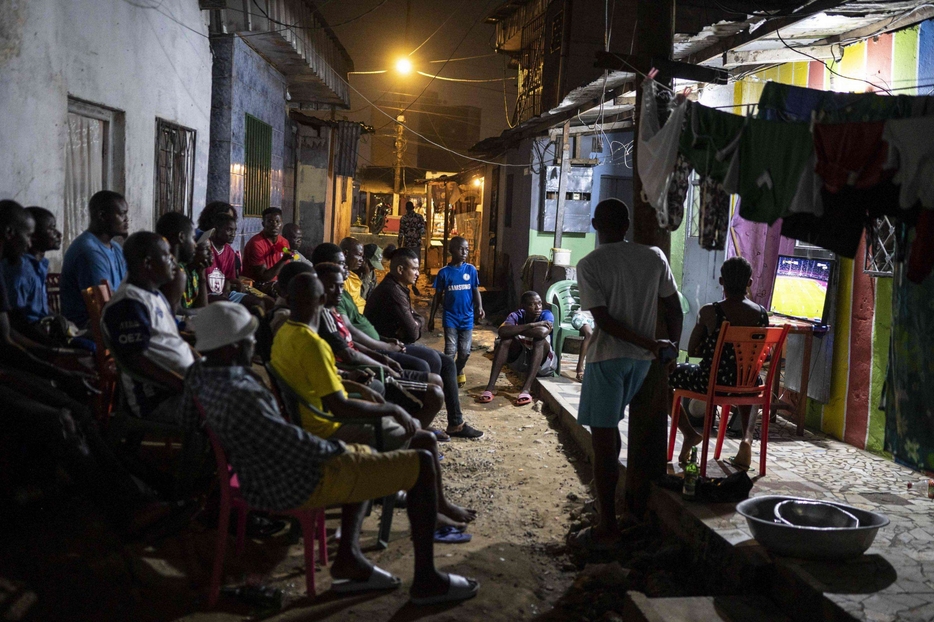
(186, 316)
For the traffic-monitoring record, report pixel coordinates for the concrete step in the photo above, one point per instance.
(641, 608)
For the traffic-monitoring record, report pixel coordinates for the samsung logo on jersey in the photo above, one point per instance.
(454, 288)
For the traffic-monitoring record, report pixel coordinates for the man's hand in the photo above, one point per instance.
(661, 347)
(404, 419)
(481, 313)
(391, 364)
(361, 376)
(77, 384)
(393, 344)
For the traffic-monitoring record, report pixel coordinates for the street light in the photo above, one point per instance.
(404, 66)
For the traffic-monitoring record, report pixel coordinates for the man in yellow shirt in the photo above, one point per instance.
(353, 284)
(306, 363)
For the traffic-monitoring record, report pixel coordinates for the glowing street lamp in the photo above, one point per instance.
(404, 66)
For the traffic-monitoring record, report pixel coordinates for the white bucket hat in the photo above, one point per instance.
(222, 324)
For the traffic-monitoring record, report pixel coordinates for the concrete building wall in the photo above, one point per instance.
(113, 54)
(244, 84)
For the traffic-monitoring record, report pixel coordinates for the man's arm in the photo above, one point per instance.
(410, 329)
(477, 304)
(674, 317)
(620, 330)
(142, 366)
(264, 274)
(340, 406)
(435, 302)
(13, 355)
(201, 298)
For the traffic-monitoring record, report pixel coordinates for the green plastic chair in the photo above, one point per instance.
(564, 300)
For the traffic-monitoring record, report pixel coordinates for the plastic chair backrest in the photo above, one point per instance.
(95, 298)
(53, 291)
(291, 400)
(751, 347)
(564, 295)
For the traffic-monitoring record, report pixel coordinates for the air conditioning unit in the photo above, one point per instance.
(211, 5)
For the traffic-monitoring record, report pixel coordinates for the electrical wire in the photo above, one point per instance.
(454, 60)
(778, 33)
(437, 77)
(453, 13)
(299, 27)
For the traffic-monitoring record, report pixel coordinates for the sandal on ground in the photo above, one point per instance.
(459, 588)
(486, 397)
(579, 376)
(461, 380)
(466, 432)
(440, 435)
(524, 399)
(583, 540)
(739, 465)
(379, 580)
(452, 535)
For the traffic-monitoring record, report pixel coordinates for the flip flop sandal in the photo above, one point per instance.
(379, 580)
(440, 435)
(579, 376)
(461, 380)
(524, 399)
(450, 535)
(459, 588)
(737, 465)
(486, 397)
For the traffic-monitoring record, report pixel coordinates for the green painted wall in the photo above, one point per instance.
(677, 254)
(578, 243)
(905, 61)
(881, 332)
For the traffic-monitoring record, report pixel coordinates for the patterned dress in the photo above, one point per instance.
(691, 377)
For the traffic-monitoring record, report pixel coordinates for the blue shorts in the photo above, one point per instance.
(608, 388)
(236, 297)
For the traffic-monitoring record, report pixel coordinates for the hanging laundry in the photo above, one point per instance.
(678, 191)
(846, 215)
(709, 140)
(657, 151)
(911, 153)
(767, 168)
(784, 102)
(851, 154)
(714, 214)
(921, 260)
(807, 199)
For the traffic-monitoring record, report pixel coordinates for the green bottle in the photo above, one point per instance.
(691, 473)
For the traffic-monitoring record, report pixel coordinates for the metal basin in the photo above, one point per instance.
(829, 538)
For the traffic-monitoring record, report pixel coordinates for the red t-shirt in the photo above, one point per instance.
(223, 267)
(259, 251)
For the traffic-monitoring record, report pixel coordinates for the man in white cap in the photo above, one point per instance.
(281, 466)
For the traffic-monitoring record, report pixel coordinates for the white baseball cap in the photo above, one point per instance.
(222, 324)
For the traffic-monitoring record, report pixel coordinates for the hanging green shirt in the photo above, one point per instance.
(706, 132)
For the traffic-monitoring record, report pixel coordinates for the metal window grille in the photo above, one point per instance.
(880, 248)
(257, 178)
(692, 205)
(175, 168)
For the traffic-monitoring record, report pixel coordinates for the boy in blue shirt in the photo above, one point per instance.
(458, 286)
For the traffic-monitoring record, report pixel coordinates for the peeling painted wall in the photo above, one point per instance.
(111, 53)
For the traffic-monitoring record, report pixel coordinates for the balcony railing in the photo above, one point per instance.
(294, 37)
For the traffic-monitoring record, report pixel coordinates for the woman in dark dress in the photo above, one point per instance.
(735, 277)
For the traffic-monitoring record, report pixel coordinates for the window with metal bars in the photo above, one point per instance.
(257, 175)
(880, 248)
(175, 168)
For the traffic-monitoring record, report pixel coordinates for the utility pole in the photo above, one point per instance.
(399, 146)
(654, 37)
(563, 180)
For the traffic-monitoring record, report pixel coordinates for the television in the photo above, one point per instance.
(800, 287)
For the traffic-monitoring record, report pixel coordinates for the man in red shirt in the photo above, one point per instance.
(262, 256)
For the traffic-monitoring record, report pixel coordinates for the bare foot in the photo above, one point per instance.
(352, 569)
(443, 521)
(579, 375)
(686, 446)
(456, 512)
(743, 457)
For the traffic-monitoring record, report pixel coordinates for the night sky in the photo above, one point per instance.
(378, 39)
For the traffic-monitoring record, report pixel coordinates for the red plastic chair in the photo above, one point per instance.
(311, 520)
(752, 347)
(95, 299)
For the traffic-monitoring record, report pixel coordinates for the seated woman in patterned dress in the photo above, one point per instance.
(735, 277)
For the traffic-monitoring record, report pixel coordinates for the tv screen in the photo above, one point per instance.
(800, 288)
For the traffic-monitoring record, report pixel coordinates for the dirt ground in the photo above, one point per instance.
(60, 561)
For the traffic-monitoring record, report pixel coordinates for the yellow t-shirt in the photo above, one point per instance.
(305, 361)
(352, 284)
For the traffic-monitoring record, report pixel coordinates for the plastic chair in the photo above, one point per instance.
(752, 346)
(95, 299)
(564, 300)
(53, 291)
(292, 402)
(311, 520)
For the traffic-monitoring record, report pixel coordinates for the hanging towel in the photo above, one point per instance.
(784, 102)
(709, 140)
(851, 154)
(911, 153)
(658, 149)
(921, 260)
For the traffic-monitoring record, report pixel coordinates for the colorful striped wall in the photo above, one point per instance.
(863, 319)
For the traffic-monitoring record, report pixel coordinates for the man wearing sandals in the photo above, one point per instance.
(621, 284)
(281, 466)
(523, 343)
